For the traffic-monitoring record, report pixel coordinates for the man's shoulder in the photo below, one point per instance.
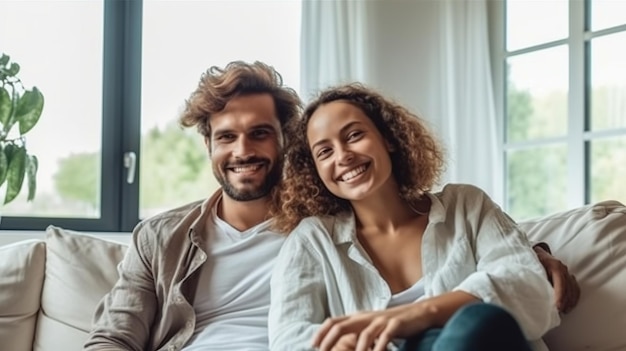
(167, 223)
(175, 213)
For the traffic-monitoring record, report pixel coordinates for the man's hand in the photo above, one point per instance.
(566, 289)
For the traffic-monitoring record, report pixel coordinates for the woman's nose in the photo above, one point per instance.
(345, 156)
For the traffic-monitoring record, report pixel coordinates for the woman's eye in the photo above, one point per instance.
(323, 152)
(355, 135)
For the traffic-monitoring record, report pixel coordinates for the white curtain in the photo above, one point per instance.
(432, 56)
(333, 47)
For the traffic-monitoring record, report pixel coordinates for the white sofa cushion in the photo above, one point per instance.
(591, 240)
(80, 270)
(21, 278)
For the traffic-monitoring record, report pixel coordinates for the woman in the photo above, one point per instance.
(375, 260)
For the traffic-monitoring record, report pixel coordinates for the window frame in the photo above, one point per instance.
(121, 129)
(579, 134)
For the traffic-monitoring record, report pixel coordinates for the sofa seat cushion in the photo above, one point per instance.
(21, 279)
(80, 270)
(591, 240)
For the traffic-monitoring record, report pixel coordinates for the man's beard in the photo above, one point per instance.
(270, 181)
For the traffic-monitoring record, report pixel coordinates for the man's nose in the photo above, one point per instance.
(243, 148)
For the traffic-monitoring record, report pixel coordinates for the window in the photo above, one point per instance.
(115, 76)
(560, 84)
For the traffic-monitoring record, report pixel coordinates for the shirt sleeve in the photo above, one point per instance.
(124, 316)
(508, 273)
(298, 295)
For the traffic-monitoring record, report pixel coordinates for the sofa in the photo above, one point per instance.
(49, 288)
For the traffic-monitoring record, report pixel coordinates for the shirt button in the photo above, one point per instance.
(202, 257)
(171, 348)
(179, 299)
(189, 324)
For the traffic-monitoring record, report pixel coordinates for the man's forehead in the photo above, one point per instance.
(245, 112)
(256, 101)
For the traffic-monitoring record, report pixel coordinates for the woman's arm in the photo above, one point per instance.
(508, 272)
(298, 296)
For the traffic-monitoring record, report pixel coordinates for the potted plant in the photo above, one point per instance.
(20, 110)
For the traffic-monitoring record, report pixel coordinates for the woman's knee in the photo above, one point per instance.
(481, 326)
(485, 313)
(484, 319)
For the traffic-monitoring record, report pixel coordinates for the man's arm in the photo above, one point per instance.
(566, 288)
(123, 318)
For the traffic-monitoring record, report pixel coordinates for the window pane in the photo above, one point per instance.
(607, 13)
(608, 167)
(608, 82)
(175, 167)
(533, 22)
(58, 45)
(537, 181)
(537, 94)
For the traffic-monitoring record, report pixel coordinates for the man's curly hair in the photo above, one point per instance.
(417, 158)
(218, 86)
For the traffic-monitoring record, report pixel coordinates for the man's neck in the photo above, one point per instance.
(243, 215)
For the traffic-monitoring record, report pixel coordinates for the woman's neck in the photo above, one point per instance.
(383, 212)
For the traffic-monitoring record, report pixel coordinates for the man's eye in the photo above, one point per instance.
(260, 133)
(226, 137)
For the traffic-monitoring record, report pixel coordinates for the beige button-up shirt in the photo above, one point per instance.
(150, 306)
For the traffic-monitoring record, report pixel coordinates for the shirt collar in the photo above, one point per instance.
(344, 226)
(198, 227)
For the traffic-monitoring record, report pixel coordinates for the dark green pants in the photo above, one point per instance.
(475, 327)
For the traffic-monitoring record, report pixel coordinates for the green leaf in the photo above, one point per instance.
(31, 171)
(9, 151)
(4, 165)
(15, 174)
(5, 106)
(13, 70)
(4, 59)
(29, 109)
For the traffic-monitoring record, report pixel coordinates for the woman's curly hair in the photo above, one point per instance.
(218, 86)
(417, 160)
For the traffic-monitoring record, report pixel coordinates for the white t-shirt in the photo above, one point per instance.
(233, 294)
(409, 295)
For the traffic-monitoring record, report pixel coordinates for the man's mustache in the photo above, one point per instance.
(251, 160)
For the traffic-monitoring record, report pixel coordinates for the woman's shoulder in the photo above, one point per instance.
(460, 192)
(322, 229)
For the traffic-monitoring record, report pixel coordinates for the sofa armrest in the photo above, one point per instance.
(21, 281)
(591, 241)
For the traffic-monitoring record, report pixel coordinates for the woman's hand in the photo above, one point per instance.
(346, 343)
(371, 330)
(374, 330)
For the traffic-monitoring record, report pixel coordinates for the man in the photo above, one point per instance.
(197, 277)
